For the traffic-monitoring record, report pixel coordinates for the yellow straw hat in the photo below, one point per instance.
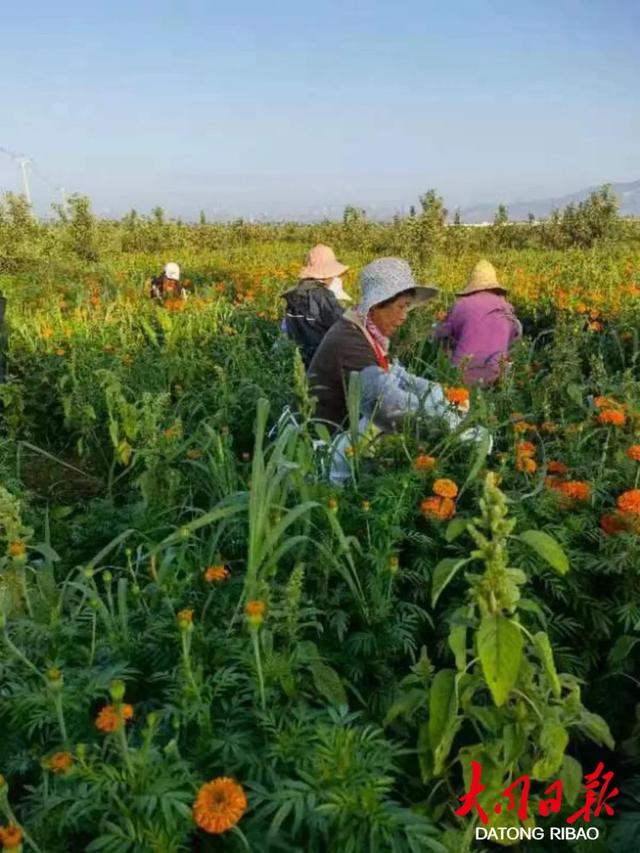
(483, 277)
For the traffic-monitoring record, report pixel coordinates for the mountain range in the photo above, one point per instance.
(628, 196)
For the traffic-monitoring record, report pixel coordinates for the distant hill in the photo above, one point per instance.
(628, 196)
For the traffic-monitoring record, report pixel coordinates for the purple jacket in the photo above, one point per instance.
(481, 327)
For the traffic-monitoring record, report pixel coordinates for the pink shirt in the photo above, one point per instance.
(481, 327)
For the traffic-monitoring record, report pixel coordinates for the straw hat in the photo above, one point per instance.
(388, 277)
(483, 277)
(172, 271)
(321, 263)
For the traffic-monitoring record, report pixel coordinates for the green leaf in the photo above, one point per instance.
(571, 776)
(458, 645)
(443, 704)
(553, 741)
(500, 652)
(327, 682)
(443, 717)
(482, 451)
(547, 548)
(622, 649)
(574, 392)
(596, 728)
(455, 528)
(442, 575)
(545, 652)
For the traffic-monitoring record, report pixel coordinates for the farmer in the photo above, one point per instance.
(167, 285)
(359, 342)
(312, 306)
(480, 327)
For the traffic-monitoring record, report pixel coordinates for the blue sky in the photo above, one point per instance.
(254, 108)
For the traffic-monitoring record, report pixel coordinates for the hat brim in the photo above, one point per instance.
(332, 269)
(423, 293)
(478, 288)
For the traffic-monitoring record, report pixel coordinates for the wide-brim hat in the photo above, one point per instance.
(483, 277)
(322, 263)
(172, 271)
(388, 277)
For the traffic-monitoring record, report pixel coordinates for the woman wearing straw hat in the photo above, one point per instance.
(359, 342)
(312, 306)
(480, 327)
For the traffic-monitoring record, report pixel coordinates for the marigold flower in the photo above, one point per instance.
(523, 426)
(11, 836)
(457, 396)
(629, 502)
(255, 611)
(555, 467)
(194, 453)
(109, 720)
(575, 490)
(216, 574)
(445, 488)
(60, 351)
(422, 462)
(633, 452)
(613, 417)
(17, 549)
(440, 508)
(185, 617)
(548, 426)
(526, 465)
(525, 448)
(60, 762)
(219, 805)
(613, 523)
(607, 403)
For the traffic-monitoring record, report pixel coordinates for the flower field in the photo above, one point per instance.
(207, 647)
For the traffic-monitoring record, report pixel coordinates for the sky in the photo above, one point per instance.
(294, 110)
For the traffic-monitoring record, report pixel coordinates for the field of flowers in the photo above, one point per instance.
(206, 647)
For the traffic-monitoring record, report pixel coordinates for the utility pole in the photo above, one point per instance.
(24, 168)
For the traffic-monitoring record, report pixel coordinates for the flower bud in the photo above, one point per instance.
(116, 690)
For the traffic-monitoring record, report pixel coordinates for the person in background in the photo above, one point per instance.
(359, 342)
(311, 306)
(167, 285)
(480, 327)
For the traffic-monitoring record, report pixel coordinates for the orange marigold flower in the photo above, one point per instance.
(548, 426)
(457, 396)
(438, 507)
(216, 574)
(523, 426)
(629, 502)
(60, 351)
(422, 462)
(17, 549)
(445, 488)
(526, 465)
(255, 611)
(60, 762)
(11, 836)
(555, 467)
(185, 617)
(525, 448)
(109, 720)
(613, 417)
(575, 490)
(194, 453)
(219, 805)
(606, 403)
(613, 523)
(633, 452)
